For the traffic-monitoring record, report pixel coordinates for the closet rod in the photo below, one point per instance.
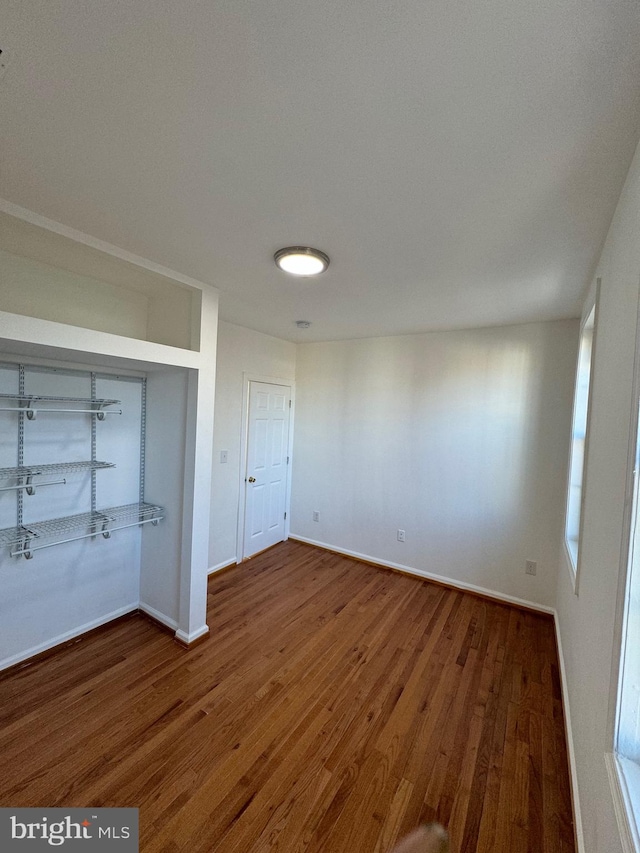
(106, 533)
(33, 486)
(31, 413)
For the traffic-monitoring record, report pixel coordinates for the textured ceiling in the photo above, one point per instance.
(459, 161)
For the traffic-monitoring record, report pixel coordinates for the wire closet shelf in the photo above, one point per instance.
(31, 404)
(97, 523)
(25, 474)
(26, 536)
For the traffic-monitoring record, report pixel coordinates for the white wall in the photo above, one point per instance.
(240, 351)
(588, 621)
(459, 438)
(67, 589)
(164, 475)
(36, 289)
(171, 319)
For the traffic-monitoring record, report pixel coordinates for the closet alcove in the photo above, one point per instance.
(107, 372)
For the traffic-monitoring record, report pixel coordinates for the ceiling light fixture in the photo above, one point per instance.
(301, 260)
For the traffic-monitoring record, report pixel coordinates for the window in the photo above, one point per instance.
(578, 442)
(625, 760)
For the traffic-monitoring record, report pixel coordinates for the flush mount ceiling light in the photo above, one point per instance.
(301, 260)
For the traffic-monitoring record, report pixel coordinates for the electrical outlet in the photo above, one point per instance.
(316, 516)
(400, 535)
(224, 456)
(531, 567)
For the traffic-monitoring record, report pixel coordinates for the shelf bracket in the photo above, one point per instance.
(25, 550)
(30, 487)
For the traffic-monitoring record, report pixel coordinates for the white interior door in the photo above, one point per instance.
(266, 475)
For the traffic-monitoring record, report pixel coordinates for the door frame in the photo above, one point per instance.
(247, 379)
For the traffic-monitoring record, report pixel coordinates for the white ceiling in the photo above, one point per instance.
(459, 161)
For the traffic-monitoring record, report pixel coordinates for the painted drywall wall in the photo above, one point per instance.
(171, 320)
(588, 620)
(456, 438)
(71, 587)
(240, 351)
(196, 518)
(33, 288)
(164, 475)
(36, 289)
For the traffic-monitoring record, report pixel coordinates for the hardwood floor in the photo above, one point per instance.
(335, 707)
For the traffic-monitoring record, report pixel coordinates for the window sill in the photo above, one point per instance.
(624, 779)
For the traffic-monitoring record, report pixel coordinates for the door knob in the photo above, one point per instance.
(252, 479)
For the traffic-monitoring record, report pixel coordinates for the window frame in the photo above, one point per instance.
(571, 544)
(624, 772)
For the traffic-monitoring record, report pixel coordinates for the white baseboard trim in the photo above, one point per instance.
(232, 562)
(159, 617)
(573, 770)
(193, 636)
(410, 570)
(68, 635)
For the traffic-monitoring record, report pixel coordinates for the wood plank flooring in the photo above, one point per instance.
(335, 707)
